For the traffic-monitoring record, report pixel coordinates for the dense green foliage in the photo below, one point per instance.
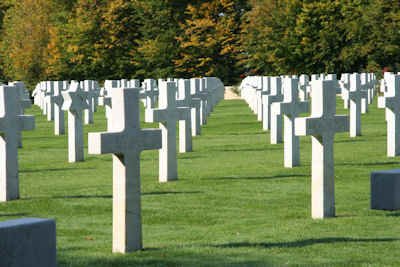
(104, 39)
(234, 203)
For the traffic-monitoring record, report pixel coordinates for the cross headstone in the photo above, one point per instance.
(49, 100)
(266, 85)
(167, 115)
(303, 83)
(345, 87)
(274, 96)
(23, 102)
(291, 107)
(197, 106)
(75, 102)
(11, 123)
(125, 140)
(185, 126)
(355, 95)
(59, 124)
(258, 96)
(322, 126)
(195, 84)
(88, 87)
(391, 101)
(150, 93)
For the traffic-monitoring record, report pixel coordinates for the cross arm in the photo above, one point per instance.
(154, 115)
(105, 143)
(151, 139)
(277, 108)
(307, 126)
(195, 103)
(184, 113)
(341, 123)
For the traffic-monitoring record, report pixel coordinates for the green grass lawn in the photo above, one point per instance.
(234, 203)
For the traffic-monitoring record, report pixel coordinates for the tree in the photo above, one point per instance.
(320, 38)
(158, 48)
(209, 42)
(84, 37)
(4, 6)
(25, 38)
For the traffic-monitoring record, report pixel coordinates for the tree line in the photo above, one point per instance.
(112, 39)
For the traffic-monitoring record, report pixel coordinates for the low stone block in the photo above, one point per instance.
(385, 190)
(28, 242)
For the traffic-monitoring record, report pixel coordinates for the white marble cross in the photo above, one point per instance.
(266, 87)
(23, 102)
(88, 87)
(274, 96)
(11, 123)
(345, 87)
(49, 100)
(303, 84)
(355, 95)
(258, 96)
(75, 102)
(217, 89)
(185, 126)
(59, 124)
(195, 84)
(391, 101)
(167, 115)
(197, 105)
(125, 140)
(291, 107)
(364, 98)
(203, 94)
(150, 93)
(322, 126)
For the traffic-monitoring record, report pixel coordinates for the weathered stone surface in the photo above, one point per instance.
(385, 190)
(11, 123)
(322, 126)
(28, 242)
(125, 140)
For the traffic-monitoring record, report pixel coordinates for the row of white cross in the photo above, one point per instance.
(125, 139)
(264, 96)
(188, 102)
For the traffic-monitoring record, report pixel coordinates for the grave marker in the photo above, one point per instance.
(391, 101)
(11, 123)
(322, 126)
(59, 124)
(125, 140)
(291, 107)
(75, 102)
(167, 115)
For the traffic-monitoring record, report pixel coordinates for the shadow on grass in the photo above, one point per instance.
(189, 156)
(143, 194)
(369, 163)
(241, 149)
(171, 193)
(159, 257)
(393, 214)
(305, 242)
(279, 176)
(358, 140)
(55, 170)
(13, 214)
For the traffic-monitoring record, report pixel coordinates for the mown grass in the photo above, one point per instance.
(234, 203)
